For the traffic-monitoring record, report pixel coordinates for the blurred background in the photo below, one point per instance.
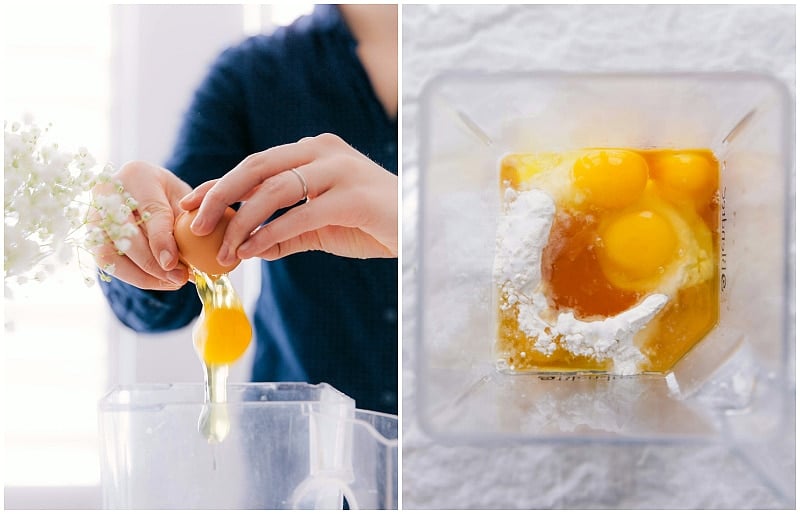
(115, 79)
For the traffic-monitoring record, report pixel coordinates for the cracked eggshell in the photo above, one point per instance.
(201, 251)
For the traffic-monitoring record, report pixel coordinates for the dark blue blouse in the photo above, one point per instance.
(319, 317)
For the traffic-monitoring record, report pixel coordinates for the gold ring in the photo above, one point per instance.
(302, 181)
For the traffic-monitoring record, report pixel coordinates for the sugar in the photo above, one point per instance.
(523, 231)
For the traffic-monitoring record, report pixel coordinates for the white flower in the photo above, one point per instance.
(47, 202)
(123, 245)
(95, 237)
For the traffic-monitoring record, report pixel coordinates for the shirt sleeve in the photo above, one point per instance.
(211, 141)
(151, 311)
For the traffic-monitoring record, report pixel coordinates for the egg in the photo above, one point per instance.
(201, 252)
(223, 335)
(610, 178)
(638, 244)
(629, 223)
(652, 246)
(686, 177)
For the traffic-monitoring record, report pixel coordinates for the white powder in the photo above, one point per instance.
(523, 231)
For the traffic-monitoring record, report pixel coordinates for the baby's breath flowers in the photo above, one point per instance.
(48, 205)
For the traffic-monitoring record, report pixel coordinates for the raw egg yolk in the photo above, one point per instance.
(682, 175)
(639, 244)
(223, 335)
(610, 178)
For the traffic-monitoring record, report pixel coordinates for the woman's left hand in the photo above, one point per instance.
(351, 207)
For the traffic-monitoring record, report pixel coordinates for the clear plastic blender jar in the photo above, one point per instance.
(290, 445)
(734, 386)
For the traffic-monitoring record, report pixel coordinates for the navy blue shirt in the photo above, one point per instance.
(319, 317)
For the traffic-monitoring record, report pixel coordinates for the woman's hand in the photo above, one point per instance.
(351, 207)
(151, 261)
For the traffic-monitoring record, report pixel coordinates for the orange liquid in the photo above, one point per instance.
(223, 336)
(574, 280)
(572, 273)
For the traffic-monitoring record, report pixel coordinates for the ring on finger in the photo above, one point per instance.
(303, 182)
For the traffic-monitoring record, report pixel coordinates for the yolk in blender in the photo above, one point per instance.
(685, 177)
(638, 244)
(610, 178)
(630, 219)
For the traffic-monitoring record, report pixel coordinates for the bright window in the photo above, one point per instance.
(55, 353)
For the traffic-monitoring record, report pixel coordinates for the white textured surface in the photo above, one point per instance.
(582, 38)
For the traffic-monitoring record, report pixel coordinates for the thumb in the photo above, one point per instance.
(158, 227)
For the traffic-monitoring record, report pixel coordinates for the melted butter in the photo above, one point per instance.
(220, 337)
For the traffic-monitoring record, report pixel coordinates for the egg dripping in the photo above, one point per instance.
(223, 332)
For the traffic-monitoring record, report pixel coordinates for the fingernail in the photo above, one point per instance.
(245, 249)
(197, 224)
(224, 257)
(176, 276)
(164, 258)
(188, 197)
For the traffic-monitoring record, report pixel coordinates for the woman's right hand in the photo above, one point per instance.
(151, 261)
(350, 209)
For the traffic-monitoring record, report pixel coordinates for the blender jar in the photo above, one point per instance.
(733, 386)
(290, 445)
